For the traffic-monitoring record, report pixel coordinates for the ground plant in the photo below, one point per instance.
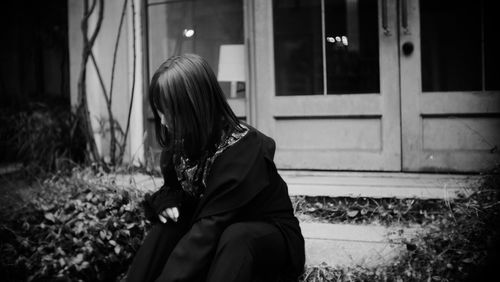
(82, 226)
(73, 228)
(383, 211)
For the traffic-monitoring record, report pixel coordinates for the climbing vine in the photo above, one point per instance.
(117, 136)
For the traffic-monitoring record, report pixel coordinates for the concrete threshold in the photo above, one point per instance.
(379, 184)
(353, 184)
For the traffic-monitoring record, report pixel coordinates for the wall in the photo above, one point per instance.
(103, 51)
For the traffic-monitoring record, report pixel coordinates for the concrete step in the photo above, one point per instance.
(354, 245)
(353, 184)
(379, 184)
(142, 182)
(6, 168)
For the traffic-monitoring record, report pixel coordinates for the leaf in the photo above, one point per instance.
(77, 259)
(85, 264)
(60, 251)
(318, 205)
(467, 260)
(117, 249)
(50, 217)
(25, 243)
(78, 227)
(131, 225)
(352, 213)
(46, 207)
(129, 207)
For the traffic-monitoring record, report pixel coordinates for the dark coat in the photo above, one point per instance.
(243, 185)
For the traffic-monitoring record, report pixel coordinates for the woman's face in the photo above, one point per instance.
(165, 120)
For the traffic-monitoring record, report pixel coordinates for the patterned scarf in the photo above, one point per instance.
(192, 174)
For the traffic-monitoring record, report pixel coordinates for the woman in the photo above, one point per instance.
(223, 213)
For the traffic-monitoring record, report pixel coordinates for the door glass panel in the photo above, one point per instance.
(352, 56)
(491, 46)
(205, 28)
(459, 51)
(298, 58)
(340, 51)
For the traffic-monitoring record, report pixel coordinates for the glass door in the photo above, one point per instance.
(327, 83)
(450, 82)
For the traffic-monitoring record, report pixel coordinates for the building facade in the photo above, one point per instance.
(362, 85)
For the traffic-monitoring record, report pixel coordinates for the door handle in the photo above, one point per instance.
(407, 48)
(385, 20)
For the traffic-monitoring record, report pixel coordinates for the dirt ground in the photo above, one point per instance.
(15, 191)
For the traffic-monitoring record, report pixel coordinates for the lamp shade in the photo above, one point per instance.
(231, 63)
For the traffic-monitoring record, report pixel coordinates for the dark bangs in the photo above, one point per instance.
(185, 89)
(163, 136)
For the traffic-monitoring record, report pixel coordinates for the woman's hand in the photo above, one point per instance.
(172, 213)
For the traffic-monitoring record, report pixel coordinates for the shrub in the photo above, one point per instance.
(75, 228)
(41, 137)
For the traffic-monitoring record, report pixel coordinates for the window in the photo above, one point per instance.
(326, 47)
(459, 48)
(200, 27)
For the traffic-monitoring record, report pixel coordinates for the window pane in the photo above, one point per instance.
(352, 56)
(451, 45)
(298, 56)
(491, 46)
(200, 27)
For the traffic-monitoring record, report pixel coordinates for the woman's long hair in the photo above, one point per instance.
(185, 90)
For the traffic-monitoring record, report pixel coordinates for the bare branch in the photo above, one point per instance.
(83, 110)
(124, 10)
(101, 81)
(92, 7)
(133, 83)
(98, 24)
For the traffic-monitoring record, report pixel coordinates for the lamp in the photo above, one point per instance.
(232, 65)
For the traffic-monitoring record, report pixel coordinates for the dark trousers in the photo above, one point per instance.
(246, 252)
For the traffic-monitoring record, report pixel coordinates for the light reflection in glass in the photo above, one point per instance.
(188, 33)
